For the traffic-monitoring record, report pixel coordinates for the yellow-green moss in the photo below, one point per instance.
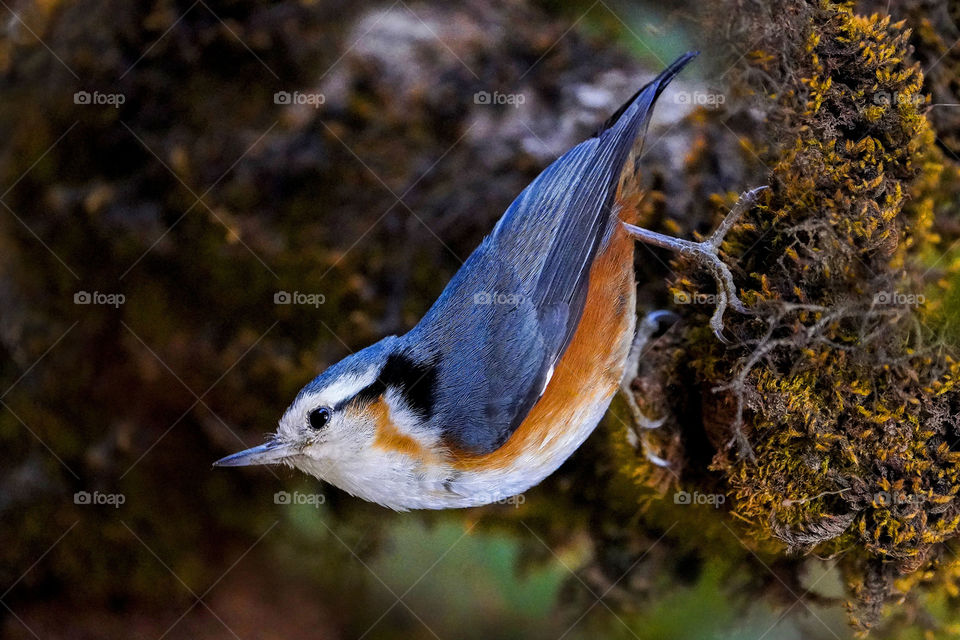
(832, 418)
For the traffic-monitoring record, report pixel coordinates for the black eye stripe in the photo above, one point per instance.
(416, 382)
(319, 418)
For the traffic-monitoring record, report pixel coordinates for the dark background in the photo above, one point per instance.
(198, 199)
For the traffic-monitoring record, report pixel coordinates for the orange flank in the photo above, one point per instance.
(590, 370)
(389, 437)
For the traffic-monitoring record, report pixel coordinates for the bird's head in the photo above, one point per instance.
(332, 421)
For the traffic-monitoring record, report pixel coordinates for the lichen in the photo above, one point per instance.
(832, 417)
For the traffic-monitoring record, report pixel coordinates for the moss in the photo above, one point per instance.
(831, 419)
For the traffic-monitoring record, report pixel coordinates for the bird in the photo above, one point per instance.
(517, 361)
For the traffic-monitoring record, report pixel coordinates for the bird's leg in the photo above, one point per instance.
(649, 326)
(706, 253)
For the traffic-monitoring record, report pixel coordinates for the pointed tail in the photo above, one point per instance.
(625, 125)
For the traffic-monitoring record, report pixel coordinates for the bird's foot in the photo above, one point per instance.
(651, 326)
(706, 253)
(638, 439)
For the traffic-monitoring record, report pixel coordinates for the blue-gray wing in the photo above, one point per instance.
(494, 336)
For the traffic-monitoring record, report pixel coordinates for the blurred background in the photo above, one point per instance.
(206, 203)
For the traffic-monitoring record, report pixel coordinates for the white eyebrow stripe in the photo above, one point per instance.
(296, 417)
(346, 387)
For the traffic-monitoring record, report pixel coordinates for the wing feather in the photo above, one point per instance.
(509, 314)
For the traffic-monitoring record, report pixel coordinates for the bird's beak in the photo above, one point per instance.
(270, 453)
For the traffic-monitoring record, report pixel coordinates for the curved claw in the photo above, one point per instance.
(751, 195)
(655, 459)
(637, 438)
(647, 328)
(706, 253)
(716, 323)
(646, 423)
(654, 320)
(726, 295)
(650, 326)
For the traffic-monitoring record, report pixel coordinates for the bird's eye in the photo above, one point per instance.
(319, 418)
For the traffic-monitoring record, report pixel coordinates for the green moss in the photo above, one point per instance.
(832, 419)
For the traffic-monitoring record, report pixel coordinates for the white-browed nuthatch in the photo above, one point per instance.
(485, 397)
